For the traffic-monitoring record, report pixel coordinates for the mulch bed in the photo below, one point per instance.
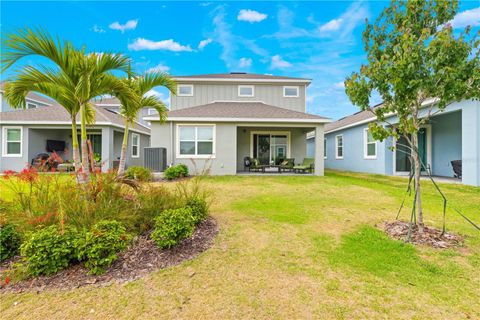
(141, 258)
(430, 237)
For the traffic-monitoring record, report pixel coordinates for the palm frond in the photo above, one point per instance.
(157, 104)
(151, 80)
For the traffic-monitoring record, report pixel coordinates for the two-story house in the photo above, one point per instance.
(217, 120)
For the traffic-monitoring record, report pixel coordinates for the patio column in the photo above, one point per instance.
(471, 143)
(319, 161)
(107, 148)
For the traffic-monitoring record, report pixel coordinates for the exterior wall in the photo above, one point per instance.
(14, 163)
(297, 142)
(37, 141)
(144, 142)
(471, 143)
(272, 94)
(5, 107)
(446, 142)
(353, 152)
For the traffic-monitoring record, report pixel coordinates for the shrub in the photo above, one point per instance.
(153, 200)
(175, 172)
(199, 209)
(138, 173)
(173, 225)
(48, 250)
(10, 241)
(99, 246)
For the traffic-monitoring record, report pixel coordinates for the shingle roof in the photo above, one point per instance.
(239, 75)
(32, 96)
(108, 101)
(57, 114)
(359, 117)
(244, 110)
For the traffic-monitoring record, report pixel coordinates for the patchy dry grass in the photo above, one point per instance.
(297, 247)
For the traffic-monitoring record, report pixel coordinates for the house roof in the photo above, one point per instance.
(110, 101)
(351, 120)
(241, 111)
(56, 114)
(32, 96)
(238, 76)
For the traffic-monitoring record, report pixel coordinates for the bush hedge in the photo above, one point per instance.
(139, 173)
(177, 171)
(48, 250)
(199, 209)
(10, 241)
(99, 246)
(173, 225)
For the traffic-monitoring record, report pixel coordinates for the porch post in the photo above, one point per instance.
(319, 161)
(107, 148)
(471, 143)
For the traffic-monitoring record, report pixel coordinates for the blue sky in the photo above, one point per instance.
(318, 40)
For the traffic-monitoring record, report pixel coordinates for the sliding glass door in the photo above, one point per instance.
(270, 147)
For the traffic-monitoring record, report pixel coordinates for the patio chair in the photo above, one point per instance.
(255, 165)
(287, 164)
(457, 168)
(306, 166)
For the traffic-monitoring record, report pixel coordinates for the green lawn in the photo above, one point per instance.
(295, 247)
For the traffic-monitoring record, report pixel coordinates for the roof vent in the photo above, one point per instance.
(238, 73)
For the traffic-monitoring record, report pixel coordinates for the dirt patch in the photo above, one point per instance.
(141, 258)
(431, 236)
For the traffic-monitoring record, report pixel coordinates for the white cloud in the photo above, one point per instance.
(169, 45)
(339, 85)
(466, 18)
(278, 63)
(331, 25)
(245, 62)
(251, 16)
(156, 93)
(159, 68)
(98, 29)
(204, 4)
(129, 25)
(204, 43)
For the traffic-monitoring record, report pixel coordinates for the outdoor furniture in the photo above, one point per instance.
(256, 166)
(66, 167)
(306, 166)
(247, 162)
(271, 166)
(287, 164)
(457, 168)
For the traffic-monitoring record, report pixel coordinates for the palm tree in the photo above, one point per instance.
(131, 105)
(75, 79)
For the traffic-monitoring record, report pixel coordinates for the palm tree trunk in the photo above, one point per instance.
(76, 152)
(417, 172)
(83, 128)
(123, 155)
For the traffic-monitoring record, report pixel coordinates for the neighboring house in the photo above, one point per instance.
(25, 133)
(217, 120)
(33, 101)
(114, 104)
(453, 134)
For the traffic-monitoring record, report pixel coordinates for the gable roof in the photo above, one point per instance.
(32, 96)
(241, 76)
(241, 111)
(56, 114)
(351, 120)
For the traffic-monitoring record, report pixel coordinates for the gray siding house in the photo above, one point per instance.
(453, 134)
(25, 133)
(216, 120)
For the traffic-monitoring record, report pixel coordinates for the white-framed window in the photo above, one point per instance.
(246, 91)
(185, 90)
(339, 146)
(369, 145)
(151, 111)
(135, 145)
(325, 148)
(12, 141)
(291, 91)
(31, 105)
(195, 140)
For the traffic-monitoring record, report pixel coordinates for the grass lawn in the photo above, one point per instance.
(294, 247)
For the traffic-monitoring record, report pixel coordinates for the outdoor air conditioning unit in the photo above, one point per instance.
(155, 159)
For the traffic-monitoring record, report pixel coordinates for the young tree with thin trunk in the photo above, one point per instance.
(418, 65)
(132, 105)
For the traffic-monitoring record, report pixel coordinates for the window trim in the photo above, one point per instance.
(365, 146)
(4, 142)
(151, 111)
(325, 148)
(291, 87)
(184, 85)
(246, 86)
(336, 147)
(137, 145)
(195, 156)
(33, 104)
(272, 133)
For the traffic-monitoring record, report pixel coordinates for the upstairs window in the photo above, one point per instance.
(12, 141)
(370, 145)
(246, 91)
(135, 145)
(339, 147)
(291, 92)
(151, 111)
(31, 105)
(185, 90)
